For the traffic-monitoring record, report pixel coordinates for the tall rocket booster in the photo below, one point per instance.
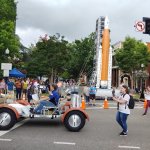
(105, 53)
(104, 67)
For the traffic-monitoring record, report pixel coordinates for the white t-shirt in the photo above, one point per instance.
(86, 91)
(124, 107)
(147, 95)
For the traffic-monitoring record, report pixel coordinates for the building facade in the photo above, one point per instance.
(119, 77)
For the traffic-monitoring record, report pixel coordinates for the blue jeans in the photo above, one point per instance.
(39, 108)
(121, 118)
(87, 98)
(18, 93)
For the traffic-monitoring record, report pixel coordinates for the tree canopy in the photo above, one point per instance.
(82, 54)
(133, 53)
(8, 39)
(56, 56)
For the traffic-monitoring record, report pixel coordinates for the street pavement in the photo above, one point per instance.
(100, 133)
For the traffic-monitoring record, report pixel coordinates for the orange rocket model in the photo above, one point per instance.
(105, 54)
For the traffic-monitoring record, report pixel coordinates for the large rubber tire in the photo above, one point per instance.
(7, 119)
(74, 121)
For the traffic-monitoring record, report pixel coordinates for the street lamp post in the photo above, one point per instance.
(7, 51)
(142, 92)
(5, 77)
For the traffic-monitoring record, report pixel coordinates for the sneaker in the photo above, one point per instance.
(120, 132)
(144, 114)
(123, 134)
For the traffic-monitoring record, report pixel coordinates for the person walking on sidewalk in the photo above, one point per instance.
(123, 109)
(147, 97)
(10, 88)
(2, 86)
(24, 88)
(86, 94)
(92, 93)
(18, 86)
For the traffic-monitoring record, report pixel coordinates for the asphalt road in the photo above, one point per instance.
(100, 133)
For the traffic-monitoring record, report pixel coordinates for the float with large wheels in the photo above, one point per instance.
(73, 117)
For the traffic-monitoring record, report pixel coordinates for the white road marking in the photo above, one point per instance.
(64, 143)
(9, 140)
(129, 147)
(16, 126)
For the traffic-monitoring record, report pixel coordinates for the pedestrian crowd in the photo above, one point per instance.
(18, 88)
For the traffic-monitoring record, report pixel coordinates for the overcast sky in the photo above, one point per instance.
(76, 19)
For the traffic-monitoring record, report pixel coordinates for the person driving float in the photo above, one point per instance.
(51, 102)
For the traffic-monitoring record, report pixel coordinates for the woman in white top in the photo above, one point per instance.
(123, 109)
(147, 97)
(2, 86)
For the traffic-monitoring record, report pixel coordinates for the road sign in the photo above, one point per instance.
(6, 66)
(147, 25)
(6, 73)
(140, 26)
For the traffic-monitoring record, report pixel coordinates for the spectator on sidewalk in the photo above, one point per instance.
(92, 93)
(36, 86)
(18, 86)
(2, 86)
(30, 91)
(86, 94)
(113, 91)
(10, 87)
(24, 88)
(147, 97)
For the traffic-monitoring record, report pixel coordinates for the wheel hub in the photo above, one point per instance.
(74, 120)
(5, 119)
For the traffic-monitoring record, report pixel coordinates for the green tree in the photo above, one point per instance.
(49, 57)
(133, 53)
(81, 58)
(8, 39)
(57, 57)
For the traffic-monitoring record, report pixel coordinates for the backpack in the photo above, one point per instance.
(131, 102)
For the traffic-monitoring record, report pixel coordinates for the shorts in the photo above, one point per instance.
(92, 96)
(25, 91)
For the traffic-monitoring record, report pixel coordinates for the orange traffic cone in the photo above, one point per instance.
(106, 106)
(145, 103)
(83, 105)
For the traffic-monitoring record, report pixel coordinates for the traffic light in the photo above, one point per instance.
(147, 25)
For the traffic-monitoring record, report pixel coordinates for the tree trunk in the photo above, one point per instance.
(52, 76)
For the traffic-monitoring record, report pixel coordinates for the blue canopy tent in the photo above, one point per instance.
(16, 73)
